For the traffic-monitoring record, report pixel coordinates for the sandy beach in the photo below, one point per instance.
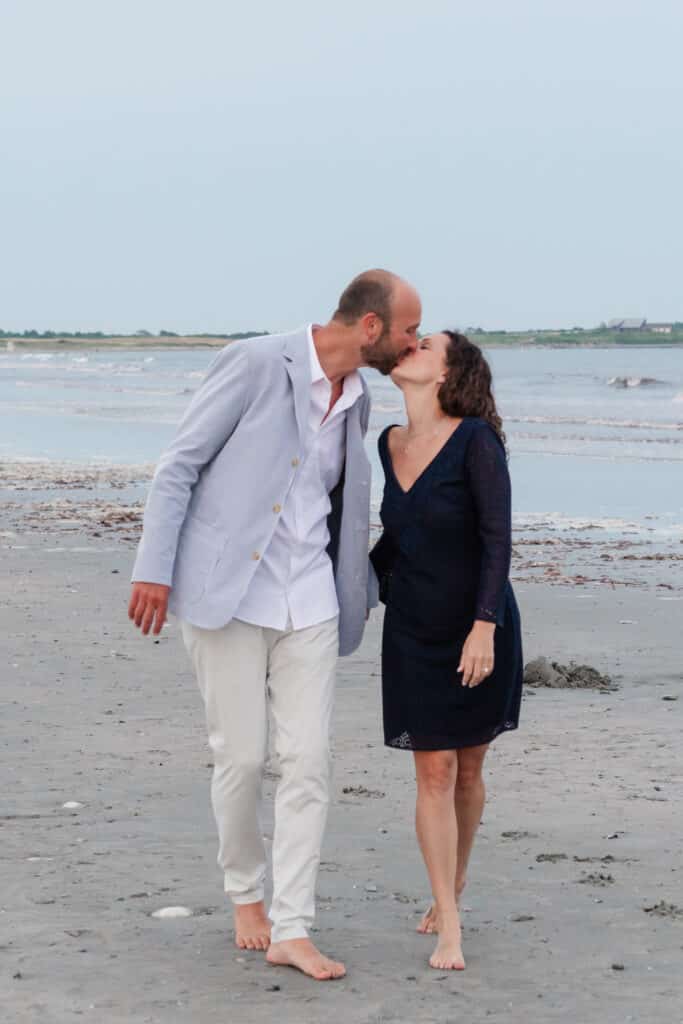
(573, 911)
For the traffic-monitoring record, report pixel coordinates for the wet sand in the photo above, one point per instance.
(105, 500)
(574, 910)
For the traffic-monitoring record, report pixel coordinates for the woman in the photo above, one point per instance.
(451, 649)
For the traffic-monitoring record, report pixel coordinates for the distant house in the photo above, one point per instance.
(660, 328)
(629, 324)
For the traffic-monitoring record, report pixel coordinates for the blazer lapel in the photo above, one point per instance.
(299, 370)
(356, 459)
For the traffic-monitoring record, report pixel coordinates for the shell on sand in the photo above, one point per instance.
(172, 912)
(71, 805)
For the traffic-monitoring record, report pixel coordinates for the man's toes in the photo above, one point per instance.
(336, 969)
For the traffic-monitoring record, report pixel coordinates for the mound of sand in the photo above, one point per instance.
(542, 672)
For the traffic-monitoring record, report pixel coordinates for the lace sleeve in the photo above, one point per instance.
(489, 480)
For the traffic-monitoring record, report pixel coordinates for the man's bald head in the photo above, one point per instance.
(372, 291)
(382, 312)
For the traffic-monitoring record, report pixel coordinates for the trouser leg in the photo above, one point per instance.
(301, 684)
(231, 666)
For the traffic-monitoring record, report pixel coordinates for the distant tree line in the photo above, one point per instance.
(95, 335)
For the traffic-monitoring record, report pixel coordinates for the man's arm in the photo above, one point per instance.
(209, 421)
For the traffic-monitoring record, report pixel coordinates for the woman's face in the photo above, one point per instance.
(426, 365)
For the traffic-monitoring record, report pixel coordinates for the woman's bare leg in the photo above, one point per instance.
(437, 833)
(470, 796)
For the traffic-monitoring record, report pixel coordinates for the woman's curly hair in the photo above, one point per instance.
(467, 390)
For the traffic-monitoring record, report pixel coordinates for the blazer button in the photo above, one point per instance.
(295, 462)
(277, 509)
(256, 556)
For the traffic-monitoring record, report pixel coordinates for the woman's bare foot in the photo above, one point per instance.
(427, 925)
(302, 954)
(252, 927)
(448, 953)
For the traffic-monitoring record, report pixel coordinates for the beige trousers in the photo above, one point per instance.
(242, 671)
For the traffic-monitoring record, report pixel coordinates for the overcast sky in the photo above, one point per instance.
(212, 165)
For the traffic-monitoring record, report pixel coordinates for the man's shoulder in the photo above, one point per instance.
(266, 346)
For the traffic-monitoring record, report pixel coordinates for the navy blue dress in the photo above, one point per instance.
(443, 561)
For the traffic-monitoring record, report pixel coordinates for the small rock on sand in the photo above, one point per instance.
(664, 909)
(165, 912)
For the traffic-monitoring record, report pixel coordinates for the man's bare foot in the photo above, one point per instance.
(252, 927)
(448, 953)
(302, 954)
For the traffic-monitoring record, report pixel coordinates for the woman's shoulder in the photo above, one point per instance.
(483, 444)
(481, 429)
(383, 439)
(478, 423)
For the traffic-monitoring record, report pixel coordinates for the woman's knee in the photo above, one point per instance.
(470, 769)
(436, 770)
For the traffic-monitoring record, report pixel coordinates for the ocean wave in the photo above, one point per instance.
(546, 452)
(520, 435)
(560, 521)
(598, 421)
(634, 382)
(557, 521)
(387, 407)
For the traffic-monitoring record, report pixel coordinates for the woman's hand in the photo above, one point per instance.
(476, 661)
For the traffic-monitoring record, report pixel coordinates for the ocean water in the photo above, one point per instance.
(595, 435)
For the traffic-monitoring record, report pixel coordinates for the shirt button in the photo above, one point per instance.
(256, 556)
(295, 462)
(277, 509)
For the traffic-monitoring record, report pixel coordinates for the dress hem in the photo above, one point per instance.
(406, 742)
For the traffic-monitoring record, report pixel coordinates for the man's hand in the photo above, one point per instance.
(148, 605)
(476, 661)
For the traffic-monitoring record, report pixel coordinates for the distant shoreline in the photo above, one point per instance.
(484, 340)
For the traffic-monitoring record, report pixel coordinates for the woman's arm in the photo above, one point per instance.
(489, 481)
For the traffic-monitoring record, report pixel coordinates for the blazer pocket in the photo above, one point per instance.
(198, 553)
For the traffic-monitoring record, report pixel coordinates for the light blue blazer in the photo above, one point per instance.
(214, 501)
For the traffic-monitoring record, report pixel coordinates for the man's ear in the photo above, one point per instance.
(372, 326)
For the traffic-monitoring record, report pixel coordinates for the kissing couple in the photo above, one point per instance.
(256, 536)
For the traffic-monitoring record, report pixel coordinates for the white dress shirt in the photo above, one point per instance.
(293, 585)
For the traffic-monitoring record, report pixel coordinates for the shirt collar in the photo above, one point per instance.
(317, 372)
(353, 386)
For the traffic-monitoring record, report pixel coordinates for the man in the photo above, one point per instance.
(256, 537)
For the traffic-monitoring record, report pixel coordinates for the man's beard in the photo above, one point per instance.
(381, 355)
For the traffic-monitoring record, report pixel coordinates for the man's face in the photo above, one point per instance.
(398, 338)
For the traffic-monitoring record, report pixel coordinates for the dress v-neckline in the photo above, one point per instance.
(428, 466)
